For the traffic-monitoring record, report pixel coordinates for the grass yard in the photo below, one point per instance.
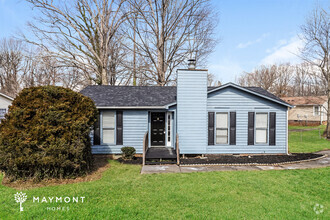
(309, 142)
(123, 193)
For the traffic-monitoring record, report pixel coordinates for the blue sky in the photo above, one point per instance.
(252, 32)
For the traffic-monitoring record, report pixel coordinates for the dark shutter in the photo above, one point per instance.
(272, 128)
(211, 128)
(251, 128)
(232, 128)
(96, 137)
(119, 128)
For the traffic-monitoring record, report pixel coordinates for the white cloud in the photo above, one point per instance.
(283, 52)
(226, 70)
(249, 43)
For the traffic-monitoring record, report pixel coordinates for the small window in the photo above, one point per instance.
(222, 128)
(2, 113)
(261, 128)
(108, 127)
(316, 110)
(169, 120)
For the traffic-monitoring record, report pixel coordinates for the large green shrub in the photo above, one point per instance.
(46, 134)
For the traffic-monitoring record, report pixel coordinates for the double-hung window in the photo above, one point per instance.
(261, 128)
(222, 128)
(316, 110)
(108, 127)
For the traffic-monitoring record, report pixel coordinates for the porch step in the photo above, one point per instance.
(160, 153)
(160, 162)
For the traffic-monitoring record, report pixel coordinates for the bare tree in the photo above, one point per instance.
(11, 59)
(79, 33)
(315, 33)
(164, 33)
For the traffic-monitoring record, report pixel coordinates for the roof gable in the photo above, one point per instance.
(257, 91)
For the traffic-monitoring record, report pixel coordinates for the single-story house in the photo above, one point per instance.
(5, 102)
(308, 110)
(228, 119)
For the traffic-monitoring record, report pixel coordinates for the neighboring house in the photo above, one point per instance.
(5, 101)
(228, 119)
(308, 110)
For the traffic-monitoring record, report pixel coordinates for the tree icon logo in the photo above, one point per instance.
(20, 198)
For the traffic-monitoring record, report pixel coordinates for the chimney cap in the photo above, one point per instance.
(192, 63)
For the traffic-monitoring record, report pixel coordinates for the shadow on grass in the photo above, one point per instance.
(101, 164)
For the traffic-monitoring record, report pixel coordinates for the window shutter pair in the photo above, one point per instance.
(119, 129)
(272, 128)
(232, 129)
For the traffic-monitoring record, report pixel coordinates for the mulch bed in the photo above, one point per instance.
(254, 159)
(232, 159)
(136, 160)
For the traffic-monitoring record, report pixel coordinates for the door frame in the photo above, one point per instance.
(166, 127)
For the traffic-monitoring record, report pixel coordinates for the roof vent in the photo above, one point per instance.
(191, 64)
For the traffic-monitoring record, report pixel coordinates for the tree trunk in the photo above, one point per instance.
(327, 130)
(104, 78)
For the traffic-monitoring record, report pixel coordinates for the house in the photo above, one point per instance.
(308, 110)
(5, 101)
(228, 119)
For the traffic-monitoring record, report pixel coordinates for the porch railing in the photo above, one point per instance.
(145, 147)
(177, 150)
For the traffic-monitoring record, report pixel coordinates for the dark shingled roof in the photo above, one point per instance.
(124, 96)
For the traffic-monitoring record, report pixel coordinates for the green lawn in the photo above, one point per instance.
(123, 193)
(307, 141)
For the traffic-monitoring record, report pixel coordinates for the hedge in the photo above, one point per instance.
(46, 134)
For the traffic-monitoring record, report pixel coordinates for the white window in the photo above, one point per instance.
(316, 110)
(169, 125)
(108, 127)
(2, 113)
(222, 128)
(261, 128)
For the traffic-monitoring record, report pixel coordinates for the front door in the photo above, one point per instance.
(157, 128)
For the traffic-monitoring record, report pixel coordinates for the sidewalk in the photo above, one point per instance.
(318, 163)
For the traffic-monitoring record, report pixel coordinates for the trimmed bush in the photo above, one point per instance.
(46, 134)
(128, 152)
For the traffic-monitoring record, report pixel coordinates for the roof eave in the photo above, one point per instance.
(131, 107)
(6, 96)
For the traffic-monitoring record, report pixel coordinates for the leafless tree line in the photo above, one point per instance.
(130, 42)
(23, 66)
(286, 80)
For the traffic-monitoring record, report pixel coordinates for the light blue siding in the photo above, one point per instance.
(232, 99)
(192, 111)
(135, 125)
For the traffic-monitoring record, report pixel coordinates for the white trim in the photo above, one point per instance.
(169, 143)
(6, 96)
(131, 107)
(249, 91)
(114, 130)
(255, 129)
(287, 132)
(215, 130)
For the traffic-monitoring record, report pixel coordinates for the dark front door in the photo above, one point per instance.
(157, 128)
